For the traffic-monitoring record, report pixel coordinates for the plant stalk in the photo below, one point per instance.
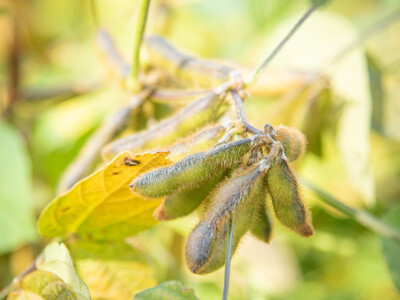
(253, 78)
(228, 259)
(363, 217)
(240, 113)
(133, 80)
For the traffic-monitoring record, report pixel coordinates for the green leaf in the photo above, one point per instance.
(43, 285)
(170, 290)
(16, 212)
(101, 206)
(391, 248)
(112, 270)
(56, 259)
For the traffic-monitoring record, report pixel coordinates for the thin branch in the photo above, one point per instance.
(15, 282)
(107, 45)
(139, 30)
(178, 94)
(240, 113)
(63, 91)
(362, 217)
(266, 62)
(228, 259)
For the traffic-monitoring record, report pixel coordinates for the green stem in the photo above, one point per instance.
(139, 30)
(228, 260)
(362, 217)
(253, 78)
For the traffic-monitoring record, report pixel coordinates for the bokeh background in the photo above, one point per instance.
(55, 90)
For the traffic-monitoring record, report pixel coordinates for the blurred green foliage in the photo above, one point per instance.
(39, 138)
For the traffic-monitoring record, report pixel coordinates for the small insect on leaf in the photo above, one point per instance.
(286, 199)
(238, 196)
(192, 171)
(101, 206)
(293, 142)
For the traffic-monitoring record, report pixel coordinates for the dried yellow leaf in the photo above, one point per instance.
(101, 206)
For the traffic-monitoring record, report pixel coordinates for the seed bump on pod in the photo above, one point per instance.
(237, 196)
(293, 142)
(193, 170)
(286, 198)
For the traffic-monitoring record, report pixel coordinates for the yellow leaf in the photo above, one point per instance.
(112, 270)
(56, 259)
(101, 206)
(43, 285)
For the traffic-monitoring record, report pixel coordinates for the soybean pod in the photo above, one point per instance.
(190, 70)
(286, 198)
(238, 196)
(182, 203)
(262, 226)
(292, 140)
(193, 170)
(200, 141)
(185, 121)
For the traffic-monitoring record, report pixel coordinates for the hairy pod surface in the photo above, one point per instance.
(182, 203)
(196, 114)
(262, 226)
(190, 70)
(286, 199)
(192, 171)
(201, 141)
(238, 196)
(293, 142)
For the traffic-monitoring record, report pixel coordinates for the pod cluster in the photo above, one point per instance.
(235, 181)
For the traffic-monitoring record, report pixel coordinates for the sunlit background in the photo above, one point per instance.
(352, 123)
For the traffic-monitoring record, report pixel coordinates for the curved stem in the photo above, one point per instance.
(362, 217)
(228, 259)
(139, 30)
(253, 78)
(240, 113)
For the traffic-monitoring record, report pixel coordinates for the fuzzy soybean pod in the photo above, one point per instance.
(206, 245)
(196, 114)
(182, 203)
(293, 142)
(192, 171)
(200, 141)
(262, 225)
(188, 69)
(286, 198)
